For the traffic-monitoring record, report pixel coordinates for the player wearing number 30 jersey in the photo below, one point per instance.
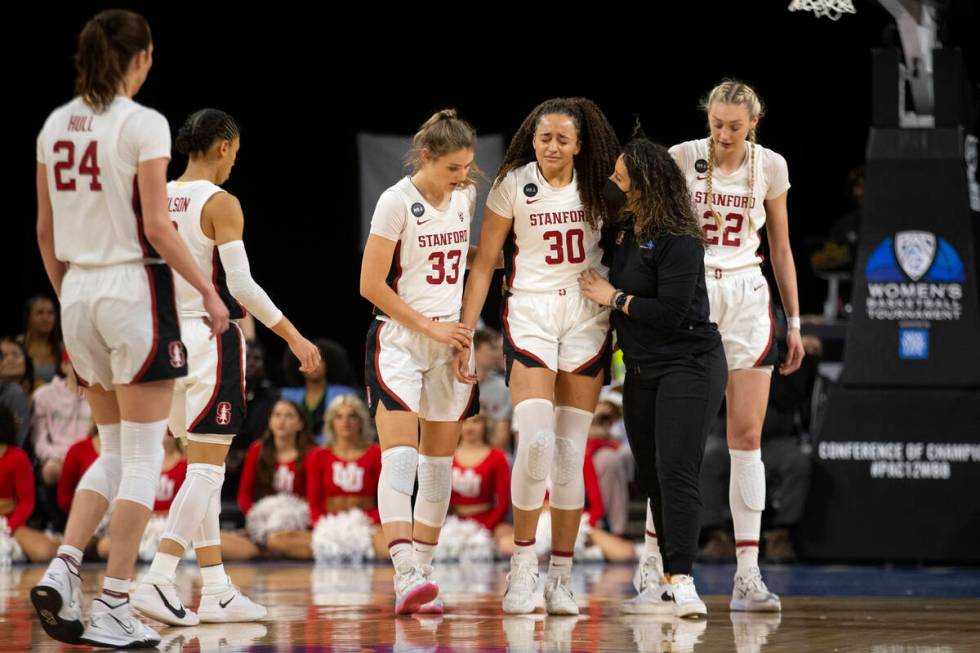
(544, 213)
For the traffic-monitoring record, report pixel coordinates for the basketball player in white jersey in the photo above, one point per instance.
(104, 235)
(209, 403)
(412, 272)
(738, 186)
(545, 212)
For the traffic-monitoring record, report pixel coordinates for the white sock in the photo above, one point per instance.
(423, 552)
(525, 550)
(214, 576)
(164, 567)
(560, 565)
(402, 554)
(73, 553)
(115, 590)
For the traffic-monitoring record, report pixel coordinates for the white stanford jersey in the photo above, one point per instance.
(91, 160)
(430, 258)
(550, 243)
(186, 200)
(735, 245)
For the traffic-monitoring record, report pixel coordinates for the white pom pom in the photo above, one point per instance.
(581, 550)
(464, 540)
(346, 536)
(151, 537)
(279, 512)
(7, 544)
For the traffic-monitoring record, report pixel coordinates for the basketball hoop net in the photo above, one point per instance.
(832, 9)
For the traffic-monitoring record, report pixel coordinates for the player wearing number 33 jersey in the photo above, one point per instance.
(427, 272)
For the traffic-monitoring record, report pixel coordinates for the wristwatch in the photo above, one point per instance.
(620, 300)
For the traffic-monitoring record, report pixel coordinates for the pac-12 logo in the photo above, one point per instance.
(178, 356)
(530, 190)
(223, 416)
(418, 210)
(915, 275)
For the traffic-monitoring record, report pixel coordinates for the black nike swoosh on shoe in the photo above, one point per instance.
(128, 629)
(225, 604)
(180, 614)
(666, 596)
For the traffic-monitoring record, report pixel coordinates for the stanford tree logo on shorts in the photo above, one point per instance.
(178, 357)
(223, 416)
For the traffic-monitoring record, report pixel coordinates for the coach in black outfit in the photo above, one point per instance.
(675, 365)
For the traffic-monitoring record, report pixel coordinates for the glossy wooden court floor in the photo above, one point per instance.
(313, 608)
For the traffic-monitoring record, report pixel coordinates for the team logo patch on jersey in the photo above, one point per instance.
(418, 210)
(701, 165)
(530, 190)
(223, 416)
(178, 355)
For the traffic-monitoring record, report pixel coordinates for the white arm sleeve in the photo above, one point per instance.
(243, 287)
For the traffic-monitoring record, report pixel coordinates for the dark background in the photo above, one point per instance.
(303, 82)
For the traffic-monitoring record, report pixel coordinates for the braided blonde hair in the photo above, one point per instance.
(731, 91)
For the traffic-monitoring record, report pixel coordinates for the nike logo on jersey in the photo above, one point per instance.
(533, 201)
(224, 604)
(419, 223)
(700, 177)
(758, 287)
(180, 614)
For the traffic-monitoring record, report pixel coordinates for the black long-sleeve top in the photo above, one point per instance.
(668, 315)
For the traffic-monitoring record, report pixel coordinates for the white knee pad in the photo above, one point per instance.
(209, 532)
(435, 488)
(142, 459)
(567, 473)
(104, 474)
(535, 452)
(396, 483)
(747, 494)
(748, 479)
(194, 499)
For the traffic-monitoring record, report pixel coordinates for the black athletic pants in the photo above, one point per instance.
(667, 408)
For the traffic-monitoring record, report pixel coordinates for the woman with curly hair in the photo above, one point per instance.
(545, 211)
(675, 364)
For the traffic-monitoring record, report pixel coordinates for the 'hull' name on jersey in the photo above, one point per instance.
(80, 123)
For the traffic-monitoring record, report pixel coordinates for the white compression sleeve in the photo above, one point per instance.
(243, 288)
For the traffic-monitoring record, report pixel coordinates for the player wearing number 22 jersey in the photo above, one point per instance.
(737, 291)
